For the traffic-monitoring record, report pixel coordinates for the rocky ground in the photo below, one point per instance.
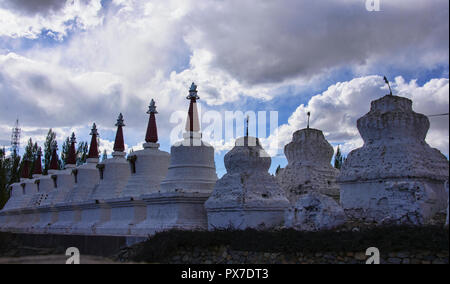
(54, 259)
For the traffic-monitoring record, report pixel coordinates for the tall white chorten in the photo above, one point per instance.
(18, 194)
(48, 185)
(29, 216)
(115, 171)
(148, 168)
(86, 175)
(247, 196)
(395, 176)
(19, 198)
(309, 166)
(86, 178)
(192, 168)
(189, 182)
(114, 174)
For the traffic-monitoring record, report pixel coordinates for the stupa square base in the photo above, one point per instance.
(11, 218)
(125, 213)
(166, 211)
(93, 214)
(68, 215)
(29, 217)
(238, 218)
(47, 216)
(403, 201)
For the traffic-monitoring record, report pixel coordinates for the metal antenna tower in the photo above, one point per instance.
(15, 138)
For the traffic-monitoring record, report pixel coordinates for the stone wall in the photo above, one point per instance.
(226, 255)
(397, 245)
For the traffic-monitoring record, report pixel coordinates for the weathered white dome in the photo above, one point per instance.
(309, 166)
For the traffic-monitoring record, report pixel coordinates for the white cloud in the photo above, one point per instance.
(336, 111)
(119, 57)
(74, 14)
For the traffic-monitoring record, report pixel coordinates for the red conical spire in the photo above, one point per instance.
(38, 164)
(54, 159)
(93, 149)
(25, 169)
(119, 145)
(192, 123)
(152, 132)
(72, 157)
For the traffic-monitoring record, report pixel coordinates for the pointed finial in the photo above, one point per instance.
(119, 144)
(308, 114)
(151, 136)
(54, 158)
(246, 130)
(120, 120)
(73, 140)
(387, 82)
(193, 92)
(38, 164)
(94, 129)
(152, 107)
(93, 149)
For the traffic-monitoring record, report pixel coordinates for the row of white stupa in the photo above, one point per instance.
(394, 177)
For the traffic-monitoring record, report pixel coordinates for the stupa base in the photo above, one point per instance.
(166, 211)
(93, 214)
(47, 216)
(68, 215)
(29, 217)
(403, 201)
(124, 215)
(238, 218)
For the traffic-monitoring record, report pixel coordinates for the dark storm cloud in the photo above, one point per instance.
(34, 6)
(270, 41)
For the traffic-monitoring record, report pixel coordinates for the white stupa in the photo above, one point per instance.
(86, 175)
(309, 166)
(48, 184)
(247, 196)
(114, 175)
(115, 171)
(86, 178)
(63, 180)
(148, 168)
(189, 182)
(19, 199)
(31, 189)
(395, 176)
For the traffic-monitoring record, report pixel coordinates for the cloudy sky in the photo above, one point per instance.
(67, 64)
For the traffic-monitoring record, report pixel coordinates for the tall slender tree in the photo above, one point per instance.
(51, 136)
(104, 155)
(3, 178)
(65, 151)
(338, 159)
(82, 152)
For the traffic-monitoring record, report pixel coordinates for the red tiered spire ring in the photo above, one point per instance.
(54, 159)
(119, 145)
(93, 149)
(192, 123)
(38, 164)
(152, 132)
(72, 157)
(25, 169)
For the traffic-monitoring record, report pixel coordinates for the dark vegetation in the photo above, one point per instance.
(388, 239)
